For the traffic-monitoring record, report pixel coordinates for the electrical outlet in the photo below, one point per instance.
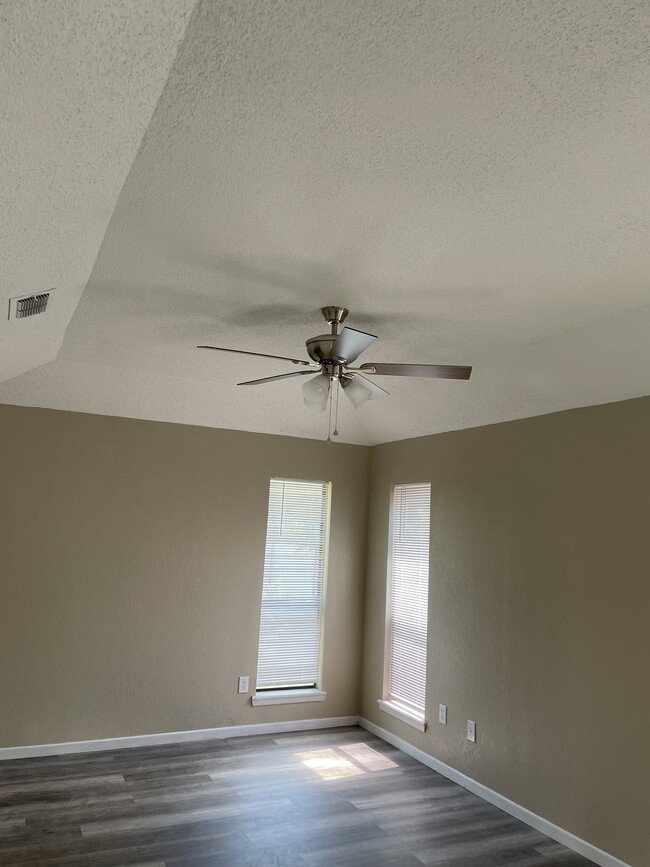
(471, 731)
(243, 684)
(442, 714)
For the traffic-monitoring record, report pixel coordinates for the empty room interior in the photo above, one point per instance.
(325, 432)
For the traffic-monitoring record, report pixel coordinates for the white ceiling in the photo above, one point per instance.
(79, 82)
(470, 178)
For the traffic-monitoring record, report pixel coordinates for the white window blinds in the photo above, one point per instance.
(408, 594)
(292, 595)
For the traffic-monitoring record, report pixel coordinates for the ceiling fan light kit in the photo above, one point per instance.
(356, 391)
(331, 355)
(315, 392)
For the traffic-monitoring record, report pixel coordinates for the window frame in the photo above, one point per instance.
(268, 695)
(391, 704)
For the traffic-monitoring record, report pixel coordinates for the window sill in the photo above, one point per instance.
(402, 713)
(287, 696)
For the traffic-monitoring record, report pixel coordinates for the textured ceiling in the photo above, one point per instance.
(470, 178)
(79, 82)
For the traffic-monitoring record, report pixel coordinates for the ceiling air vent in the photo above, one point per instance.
(29, 305)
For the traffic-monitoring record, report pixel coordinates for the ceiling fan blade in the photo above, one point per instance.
(258, 354)
(279, 376)
(350, 343)
(438, 371)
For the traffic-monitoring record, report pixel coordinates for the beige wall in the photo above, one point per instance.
(131, 558)
(539, 609)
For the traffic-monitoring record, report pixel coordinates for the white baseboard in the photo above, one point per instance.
(553, 831)
(174, 737)
(540, 824)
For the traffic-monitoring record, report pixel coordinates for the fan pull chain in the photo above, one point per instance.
(329, 423)
(336, 411)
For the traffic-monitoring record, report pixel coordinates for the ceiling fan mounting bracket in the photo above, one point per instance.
(334, 316)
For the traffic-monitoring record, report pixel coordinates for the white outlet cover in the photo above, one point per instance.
(243, 684)
(442, 714)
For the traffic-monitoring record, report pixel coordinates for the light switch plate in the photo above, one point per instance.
(471, 731)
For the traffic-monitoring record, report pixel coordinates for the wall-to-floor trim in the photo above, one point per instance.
(540, 824)
(174, 737)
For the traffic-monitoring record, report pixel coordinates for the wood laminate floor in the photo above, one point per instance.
(336, 798)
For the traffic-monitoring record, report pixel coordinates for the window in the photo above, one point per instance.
(295, 563)
(407, 603)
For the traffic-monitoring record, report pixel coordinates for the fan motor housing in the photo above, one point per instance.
(320, 347)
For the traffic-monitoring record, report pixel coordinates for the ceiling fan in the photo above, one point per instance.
(331, 356)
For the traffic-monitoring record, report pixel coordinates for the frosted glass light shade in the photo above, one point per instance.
(315, 392)
(356, 391)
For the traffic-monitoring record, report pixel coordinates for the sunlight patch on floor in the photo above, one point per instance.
(369, 758)
(344, 761)
(329, 764)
